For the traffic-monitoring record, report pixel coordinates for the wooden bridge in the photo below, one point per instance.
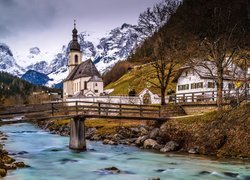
(78, 111)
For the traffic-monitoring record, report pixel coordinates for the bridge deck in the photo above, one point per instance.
(63, 110)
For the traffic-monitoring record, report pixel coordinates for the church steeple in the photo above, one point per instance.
(75, 46)
(75, 54)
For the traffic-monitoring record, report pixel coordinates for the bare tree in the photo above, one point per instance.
(164, 59)
(220, 48)
(154, 18)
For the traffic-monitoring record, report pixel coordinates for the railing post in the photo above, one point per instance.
(140, 110)
(120, 109)
(160, 111)
(192, 97)
(52, 109)
(99, 108)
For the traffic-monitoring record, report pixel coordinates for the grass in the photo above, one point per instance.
(104, 126)
(136, 79)
(110, 126)
(205, 118)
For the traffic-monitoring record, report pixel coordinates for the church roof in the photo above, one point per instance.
(95, 79)
(85, 69)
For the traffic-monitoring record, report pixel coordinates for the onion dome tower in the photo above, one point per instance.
(75, 54)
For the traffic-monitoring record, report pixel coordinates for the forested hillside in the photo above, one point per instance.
(195, 20)
(14, 90)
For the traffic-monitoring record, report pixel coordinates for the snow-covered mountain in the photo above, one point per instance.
(8, 62)
(51, 68)
(117, 45)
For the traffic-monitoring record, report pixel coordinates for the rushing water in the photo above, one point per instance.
(49, 158)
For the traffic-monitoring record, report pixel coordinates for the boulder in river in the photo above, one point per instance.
(3, 172)
(109, 170)
(143, 131)
(194, 150)
(140, 140)
(20, 164)
(170, 146)
(150, 143)
(154, 133)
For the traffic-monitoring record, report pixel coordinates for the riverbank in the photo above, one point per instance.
(224, 135)
(6, 161)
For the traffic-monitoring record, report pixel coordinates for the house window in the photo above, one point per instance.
(183, 87)
(96, 91)
(211, 85)
(197, 85)
(96, 84)
(76, 59)
(85, 84)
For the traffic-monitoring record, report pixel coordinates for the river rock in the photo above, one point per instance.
(95, 138)
(110, 170)
(230, 174)
(154, 133)
(90, 132)
(170, 146)
(154, 178)
(3, 172)
(7, 159)
(194, 150)
(124, 133)
(143, 131)
(140, 140)
(112, 143)
(10, 166)
(20, 164)
(150, 143)
(105, 141)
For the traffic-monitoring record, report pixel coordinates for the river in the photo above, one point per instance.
(49, 157)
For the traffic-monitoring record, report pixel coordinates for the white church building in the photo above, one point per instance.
(83, 80)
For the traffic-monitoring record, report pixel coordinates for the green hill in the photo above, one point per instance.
(136, 79)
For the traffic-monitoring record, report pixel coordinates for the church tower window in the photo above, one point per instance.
(76, 59)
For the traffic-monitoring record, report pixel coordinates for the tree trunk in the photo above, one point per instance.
(163, 102)
(220, 88)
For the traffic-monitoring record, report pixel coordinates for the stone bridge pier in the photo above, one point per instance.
(77, 134)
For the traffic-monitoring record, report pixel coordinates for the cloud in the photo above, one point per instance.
(4, 31)
(7, 3)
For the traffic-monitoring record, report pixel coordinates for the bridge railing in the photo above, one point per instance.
(68, 109)
(209, 96)
(104, 109)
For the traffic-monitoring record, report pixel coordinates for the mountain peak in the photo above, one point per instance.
(5, 49)
(35, 50)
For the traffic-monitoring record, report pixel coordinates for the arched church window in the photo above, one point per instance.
(76, 59)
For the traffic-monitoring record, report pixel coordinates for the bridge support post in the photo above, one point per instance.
(77, 134)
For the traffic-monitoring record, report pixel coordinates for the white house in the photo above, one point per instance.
(197, 83)
(83, 79)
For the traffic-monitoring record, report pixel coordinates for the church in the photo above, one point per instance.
(83, 79)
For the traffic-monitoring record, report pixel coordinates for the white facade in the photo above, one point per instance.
(193, 85)
(83, 79)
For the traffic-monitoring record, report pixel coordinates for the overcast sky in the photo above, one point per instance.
(48, 23)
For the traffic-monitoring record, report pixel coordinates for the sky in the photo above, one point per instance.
(47, 24)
